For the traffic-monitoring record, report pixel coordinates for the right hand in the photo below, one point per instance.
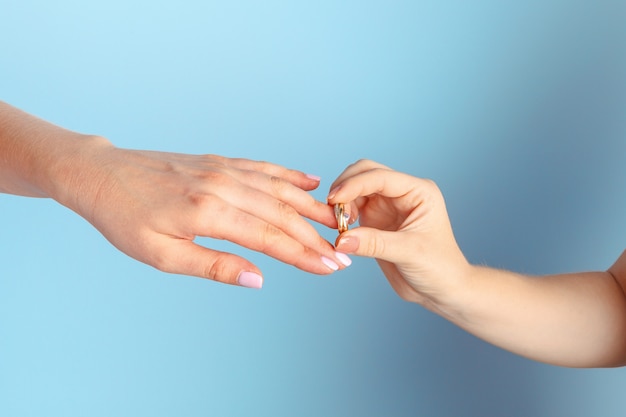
(404, 225)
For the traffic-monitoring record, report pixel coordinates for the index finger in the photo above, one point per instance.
(357, 167)
(380, 181)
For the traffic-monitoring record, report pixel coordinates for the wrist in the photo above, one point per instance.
(38, 158)
(454, 294)
(73, 172)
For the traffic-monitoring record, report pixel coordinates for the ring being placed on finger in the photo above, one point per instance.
(342, 214)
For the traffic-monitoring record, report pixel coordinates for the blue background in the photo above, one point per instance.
(516, 109)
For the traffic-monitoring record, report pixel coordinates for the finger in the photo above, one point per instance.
(373, 243)
(286, 237)
(182, 256)
(381, 181)
(284, 191)
(297, 178)
(358, 167)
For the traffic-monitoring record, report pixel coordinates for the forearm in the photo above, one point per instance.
(576, 320)
(37, 158)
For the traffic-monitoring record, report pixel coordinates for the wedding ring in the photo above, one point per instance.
(342, 213)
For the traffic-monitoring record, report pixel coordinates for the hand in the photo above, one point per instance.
(404, 225)
(152, 205)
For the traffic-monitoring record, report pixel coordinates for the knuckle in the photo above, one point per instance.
(430, 186)
(359, 163)
(269, 237)
(213, 159)
(265, 167)
(286, 213)
(362, 161)
(216, 271)
(368, 164)
(201, 200)
(199, 207)
(216, 176)
(433, 190)
(278, 185)
(376, 170)
(205, 201)
(375, 247)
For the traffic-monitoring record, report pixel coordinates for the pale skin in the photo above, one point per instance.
(152, 205)
(573, 319)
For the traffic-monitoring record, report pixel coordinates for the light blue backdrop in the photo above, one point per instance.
(516, 109)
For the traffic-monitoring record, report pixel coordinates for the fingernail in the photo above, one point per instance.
(347, 244)
(332, 193)
(314, 177)
(250, 280)
(343, 258)
(330, 263)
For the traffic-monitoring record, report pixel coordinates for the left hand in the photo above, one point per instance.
(152, 205)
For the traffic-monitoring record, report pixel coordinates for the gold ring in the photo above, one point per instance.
(342, 216)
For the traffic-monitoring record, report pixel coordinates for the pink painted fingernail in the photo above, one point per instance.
(314, 177)
(343, 258)
(250, 280)
(330, 263)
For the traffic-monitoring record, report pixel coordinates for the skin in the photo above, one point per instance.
(152, 205)
(574, 320)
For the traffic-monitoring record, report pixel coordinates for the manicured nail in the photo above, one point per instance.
(314, 177)
(250, 280)
(347, 244)
(343, 258)
(330, 263)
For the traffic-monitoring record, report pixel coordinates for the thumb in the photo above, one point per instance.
(369, 242)
(188, 258)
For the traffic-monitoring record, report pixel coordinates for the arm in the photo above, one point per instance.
(152, 205)
(576, 320)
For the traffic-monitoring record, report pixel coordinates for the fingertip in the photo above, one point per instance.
(332, 265)
(310, 182)
(347, 243)
(332, 194)
(343, 258)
